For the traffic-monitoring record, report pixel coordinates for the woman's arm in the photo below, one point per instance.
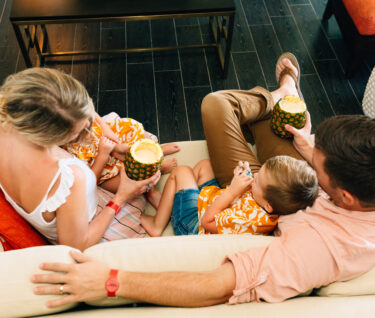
(73, 227)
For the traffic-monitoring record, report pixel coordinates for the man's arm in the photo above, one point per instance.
(302, 139)
(85, 281)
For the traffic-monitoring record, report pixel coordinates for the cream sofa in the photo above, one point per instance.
(355, 298)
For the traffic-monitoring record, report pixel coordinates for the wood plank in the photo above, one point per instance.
(112, 67)
(277, 8)
(173, 124)
(8, 37)
(242, 40)
(186, 21)
(138, 36)
(61, 38)
(112, 101)
(293, 2)
(248, 70)
(256, 12)
(268, 49)
(331, 27)
(194, 97)
(193, 63)
(163, 34)
(359, 79)
(216, 74)
(86, 68)
(316, 99)
(312, 33)
(8, 61)
(338, 89)
(291, 41)
(141, 96)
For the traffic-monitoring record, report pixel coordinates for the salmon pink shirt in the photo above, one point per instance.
(314, 247)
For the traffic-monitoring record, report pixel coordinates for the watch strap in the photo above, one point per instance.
(114, 206)
(112, 284)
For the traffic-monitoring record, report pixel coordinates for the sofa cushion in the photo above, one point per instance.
(16, 268)
(362, 13)
(362, 285)
(15, 232)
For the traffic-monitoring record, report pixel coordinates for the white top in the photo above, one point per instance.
(51, 204)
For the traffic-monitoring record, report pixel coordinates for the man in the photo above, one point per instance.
(331, 241)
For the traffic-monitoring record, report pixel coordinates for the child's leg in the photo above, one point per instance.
(111, 184)
(181, 178)
(168, 165)
(203, 171)
(170, 148)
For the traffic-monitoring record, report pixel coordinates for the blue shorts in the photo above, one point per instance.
(185, 209)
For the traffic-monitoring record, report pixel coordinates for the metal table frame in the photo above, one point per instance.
(218, 21)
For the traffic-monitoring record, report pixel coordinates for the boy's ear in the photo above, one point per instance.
(349, 199)
(268, 207)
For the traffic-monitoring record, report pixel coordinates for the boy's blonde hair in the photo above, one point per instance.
(294, 184)
(44, 105)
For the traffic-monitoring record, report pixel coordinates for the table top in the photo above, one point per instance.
(29, 10)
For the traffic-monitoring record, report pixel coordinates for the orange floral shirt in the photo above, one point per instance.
(243, 216)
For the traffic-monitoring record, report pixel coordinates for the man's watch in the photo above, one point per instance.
(112, 284)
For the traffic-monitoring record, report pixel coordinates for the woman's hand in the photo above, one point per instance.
(301, 140)
(84, 281)
(129, 188)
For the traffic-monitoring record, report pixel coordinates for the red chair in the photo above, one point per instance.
(356, 19)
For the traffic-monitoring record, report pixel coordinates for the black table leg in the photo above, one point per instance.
(22, 45)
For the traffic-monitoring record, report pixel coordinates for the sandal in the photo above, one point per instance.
(288, 71)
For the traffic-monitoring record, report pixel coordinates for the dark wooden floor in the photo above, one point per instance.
(164, 90)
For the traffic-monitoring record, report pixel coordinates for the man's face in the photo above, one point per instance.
(318, 160)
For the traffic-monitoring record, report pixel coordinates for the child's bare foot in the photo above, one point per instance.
(149, 225)
(170, 148)
(168, 165)
(148, 135)
(153, 196)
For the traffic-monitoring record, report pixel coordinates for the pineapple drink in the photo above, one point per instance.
(143, 159)
(289, 110)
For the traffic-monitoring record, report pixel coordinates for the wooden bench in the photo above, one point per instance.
(28, 16)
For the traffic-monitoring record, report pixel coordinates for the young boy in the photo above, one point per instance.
(249, 204)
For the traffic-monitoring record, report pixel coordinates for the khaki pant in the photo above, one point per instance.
(223, 113)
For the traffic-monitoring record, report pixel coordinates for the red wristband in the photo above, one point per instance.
(114, 206)
(112, 284)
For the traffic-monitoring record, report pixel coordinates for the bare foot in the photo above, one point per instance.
(287, 82)
(148, 135)
(149, 225)
(153, 196)
(170, 148)
(168, 165)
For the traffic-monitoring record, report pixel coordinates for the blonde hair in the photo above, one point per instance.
(294, 184)
(44, 105)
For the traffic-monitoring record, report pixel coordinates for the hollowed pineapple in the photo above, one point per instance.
(289, 110)
(143, 159)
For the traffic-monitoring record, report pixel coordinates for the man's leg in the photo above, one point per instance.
(223, 113)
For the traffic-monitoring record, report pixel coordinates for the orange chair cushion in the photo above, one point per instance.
(362, 13)
(15, 232)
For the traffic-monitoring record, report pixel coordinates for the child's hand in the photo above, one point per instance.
(241, 181)
(105, 146)
(120, 151)
(107, 132)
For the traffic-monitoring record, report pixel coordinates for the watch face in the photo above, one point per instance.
(112, 285)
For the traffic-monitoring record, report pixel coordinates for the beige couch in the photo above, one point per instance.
(354, 298)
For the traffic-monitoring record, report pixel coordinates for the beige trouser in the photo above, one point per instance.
(223, 113)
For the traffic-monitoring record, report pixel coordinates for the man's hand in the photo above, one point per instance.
(84, 281)
(301, 140)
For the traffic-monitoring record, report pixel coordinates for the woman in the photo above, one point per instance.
(40, 109)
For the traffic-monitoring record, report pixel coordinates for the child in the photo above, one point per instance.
(282, 186)
(106, 144)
